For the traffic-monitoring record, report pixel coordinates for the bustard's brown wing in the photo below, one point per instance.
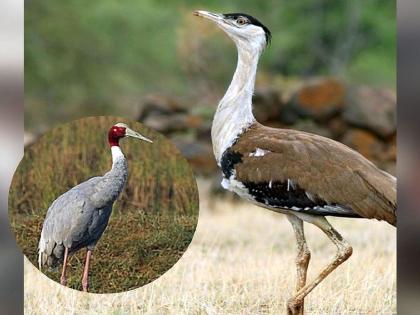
(319, 169)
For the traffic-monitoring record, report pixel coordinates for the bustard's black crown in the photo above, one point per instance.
(253, 21)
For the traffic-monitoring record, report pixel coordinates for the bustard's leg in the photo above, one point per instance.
(302, 258)
(63, 279)
(344, 251)
(85, 279)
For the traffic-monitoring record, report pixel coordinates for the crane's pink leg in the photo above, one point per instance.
(85, 279)
(302, 258)
(63, 279)
(344, 251)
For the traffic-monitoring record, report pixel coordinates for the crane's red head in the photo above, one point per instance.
(119, 131)
(115, 133)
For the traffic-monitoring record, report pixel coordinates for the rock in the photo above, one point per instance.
(337, 126)
(157, 105)
(267, 104)
(389, 167)
(204, 131)
(173, 123)
(366, 143)
(289, 115)
(319, 98)
(199, 155)
(206, 112)
(391, 150)
(312, 127)
(372, 108)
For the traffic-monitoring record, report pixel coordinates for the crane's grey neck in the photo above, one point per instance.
(234, 113)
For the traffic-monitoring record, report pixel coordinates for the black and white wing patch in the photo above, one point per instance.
(277, 194)
(288, 195)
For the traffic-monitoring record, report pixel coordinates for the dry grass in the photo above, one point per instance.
(241, 261)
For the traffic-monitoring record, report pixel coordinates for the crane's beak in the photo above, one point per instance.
(131, 133)
(217, 18)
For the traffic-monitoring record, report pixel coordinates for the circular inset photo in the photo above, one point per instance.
(103, 204)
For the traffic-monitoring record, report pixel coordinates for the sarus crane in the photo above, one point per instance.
(78, 218)
(302, 175)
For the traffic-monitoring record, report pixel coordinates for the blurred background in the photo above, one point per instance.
(331, 70)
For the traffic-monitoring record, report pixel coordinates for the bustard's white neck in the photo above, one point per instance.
(234, 112)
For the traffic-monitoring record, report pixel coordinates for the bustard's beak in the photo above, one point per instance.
(217, 18)
(131, 133)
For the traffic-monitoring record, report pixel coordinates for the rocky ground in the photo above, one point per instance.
(362, 117)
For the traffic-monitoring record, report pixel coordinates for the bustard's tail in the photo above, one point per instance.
(381, 202)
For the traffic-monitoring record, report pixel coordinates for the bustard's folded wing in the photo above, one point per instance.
(317, 169)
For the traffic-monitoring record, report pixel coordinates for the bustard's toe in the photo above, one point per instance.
(294, 307)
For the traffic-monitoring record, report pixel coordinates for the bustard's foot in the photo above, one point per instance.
(295, 307)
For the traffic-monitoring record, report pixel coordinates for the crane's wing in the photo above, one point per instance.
(72, 221)
(310, 173)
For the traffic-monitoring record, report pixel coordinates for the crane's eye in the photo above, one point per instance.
(241, 21)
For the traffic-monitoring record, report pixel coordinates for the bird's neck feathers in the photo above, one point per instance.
(116, 154)
(234, 113)
(118, 172)
(242, 86)
(113, 182)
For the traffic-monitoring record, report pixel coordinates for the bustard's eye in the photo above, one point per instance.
(241, 21)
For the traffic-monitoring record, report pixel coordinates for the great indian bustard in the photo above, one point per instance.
(77, 218)
(302, 175)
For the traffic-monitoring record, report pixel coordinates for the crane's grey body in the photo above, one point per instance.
(78, 217)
